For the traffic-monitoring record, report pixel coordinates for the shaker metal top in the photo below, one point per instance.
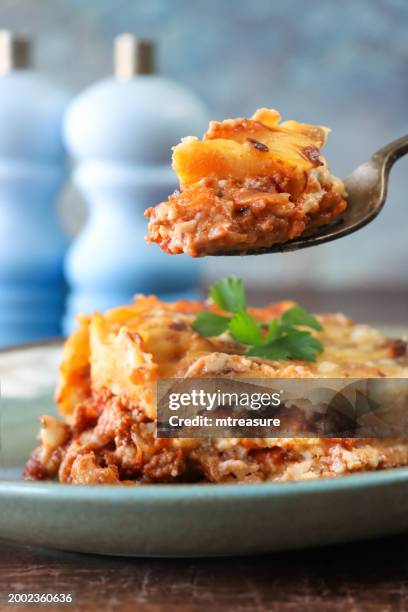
(133, 56)
(14, 51)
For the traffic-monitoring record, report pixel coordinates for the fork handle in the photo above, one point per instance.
(389, 154)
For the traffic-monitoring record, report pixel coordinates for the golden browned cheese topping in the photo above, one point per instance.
(261, 146)
(249, 183)
(126, 349)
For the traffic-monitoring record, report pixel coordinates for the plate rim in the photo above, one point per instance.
(197, 491)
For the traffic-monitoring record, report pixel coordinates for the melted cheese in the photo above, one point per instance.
(128, 348)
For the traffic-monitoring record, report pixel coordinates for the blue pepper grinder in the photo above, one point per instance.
(32, 243)
(121, 131)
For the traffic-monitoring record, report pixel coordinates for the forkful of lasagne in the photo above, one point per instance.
(259, 185)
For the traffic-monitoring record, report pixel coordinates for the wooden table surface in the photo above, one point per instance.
(364, 576)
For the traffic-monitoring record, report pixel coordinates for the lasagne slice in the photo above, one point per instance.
(248, 184)
(106, 397)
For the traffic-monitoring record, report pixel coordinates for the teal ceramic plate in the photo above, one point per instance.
(173, 520)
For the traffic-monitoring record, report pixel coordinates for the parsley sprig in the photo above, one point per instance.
(281, 340)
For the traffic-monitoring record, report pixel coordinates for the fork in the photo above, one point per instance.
(366, 190)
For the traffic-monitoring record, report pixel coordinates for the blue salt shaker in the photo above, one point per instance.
(121, 131)
(32, 243)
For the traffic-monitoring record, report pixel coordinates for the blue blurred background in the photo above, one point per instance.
(340, 64)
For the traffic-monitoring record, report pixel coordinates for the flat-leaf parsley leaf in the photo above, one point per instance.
(229, 294)
(299, 316)
(210, 324)
(244, 328)
(282, 339)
